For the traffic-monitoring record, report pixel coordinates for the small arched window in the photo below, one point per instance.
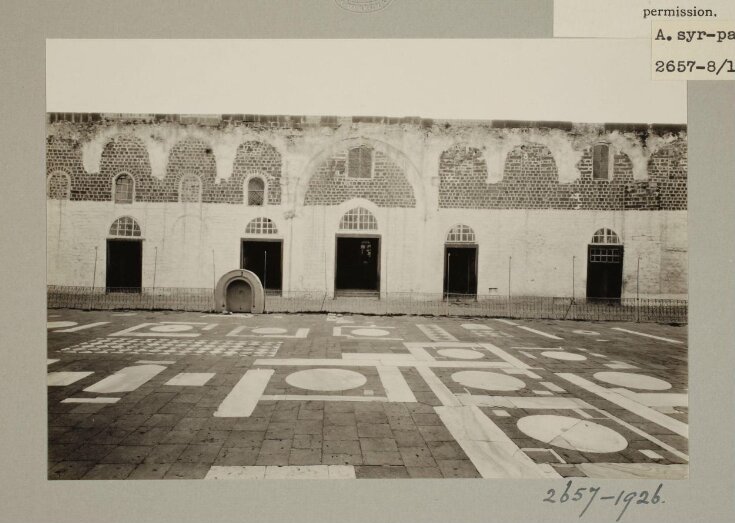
(601, 161)
(190, 189)
(461, 234)
(261, 226)
(256, 191)
(125, 227)
(360, 162)
(605, 236)
(358, 219)
(124, 189)
(58, 186)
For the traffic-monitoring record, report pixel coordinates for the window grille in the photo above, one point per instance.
(261, 226)
(600, 162)
(360, 162)
(606, 236)
(605, 254)
(461, 234)
(125, 226)
(58, 186)
(358, 219)
(124, 189)
(256, 192)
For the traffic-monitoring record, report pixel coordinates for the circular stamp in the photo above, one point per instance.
(363, 6)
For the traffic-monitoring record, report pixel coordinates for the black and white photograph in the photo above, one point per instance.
(452, 283)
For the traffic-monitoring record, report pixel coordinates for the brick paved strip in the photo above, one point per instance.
(244, 396)
(493, 454)
(675, 426)
(317, 397)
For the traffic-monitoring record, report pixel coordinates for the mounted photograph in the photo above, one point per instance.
(416, 259)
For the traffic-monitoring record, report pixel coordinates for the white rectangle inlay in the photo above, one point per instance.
(523, 402)
(244, 396)
(540, 333)
(440, 390)
(282, 472)
(396, 388)
(651, 454)
(83, 327)
(552, 386)
(60, 379)
(646, 335)
(127, 379)
(90, 400)
(190, 379)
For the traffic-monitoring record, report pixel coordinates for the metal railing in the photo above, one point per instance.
(395, 303)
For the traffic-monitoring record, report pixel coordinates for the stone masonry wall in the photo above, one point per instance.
(388, 187)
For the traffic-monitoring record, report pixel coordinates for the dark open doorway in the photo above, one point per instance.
(264, 258)
(604, 271)
(124, 265)
(357, 265)
(460, 271)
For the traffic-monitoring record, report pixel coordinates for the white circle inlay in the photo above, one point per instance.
(572, 433)
(370, 332)
(171, 328)
(588, 333)
(460, 354)
(269, 330)
(59, 324)
(564, 356)
(330, 380)
(485, 380)
(633, 381)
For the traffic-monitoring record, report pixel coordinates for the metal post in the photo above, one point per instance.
(94, 278)
(265, 275)
(155, 266)
(573, 259)
(637, 291)
(449, 259)
(510, 259)
(214, 282)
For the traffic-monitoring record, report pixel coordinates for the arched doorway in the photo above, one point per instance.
(239, 291)
(460, 263)
(605, 265)
(357, 263)
(124, 256)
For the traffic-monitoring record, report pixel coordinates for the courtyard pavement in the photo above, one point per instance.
(182, 395)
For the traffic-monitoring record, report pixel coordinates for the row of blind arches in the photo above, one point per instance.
(357, 219)
(190, 188)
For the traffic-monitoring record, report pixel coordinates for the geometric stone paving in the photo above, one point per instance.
(176, 347)
(435, 397)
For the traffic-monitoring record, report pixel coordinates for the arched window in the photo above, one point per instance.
(461, 234)
(125, 227)
(261, 226)
(601, 162)
(190, 189)
(358, 219)
(360, 162)
(256, 191)
(57, 186)
(124, 188)
(605, 236)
